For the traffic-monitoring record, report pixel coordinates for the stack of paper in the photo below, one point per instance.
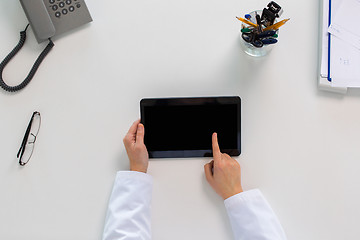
(343, 43)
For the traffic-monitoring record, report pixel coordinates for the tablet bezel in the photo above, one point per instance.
(149, 102)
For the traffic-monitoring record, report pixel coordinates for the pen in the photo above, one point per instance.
(277, 25)
(247, 22)
(246, 30)
(269, 41)
(268, 33)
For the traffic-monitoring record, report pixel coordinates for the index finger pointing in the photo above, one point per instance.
(215, 147)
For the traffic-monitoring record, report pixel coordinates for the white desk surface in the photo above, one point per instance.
(300, 146)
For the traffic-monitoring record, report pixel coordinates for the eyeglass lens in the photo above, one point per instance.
(30, 143)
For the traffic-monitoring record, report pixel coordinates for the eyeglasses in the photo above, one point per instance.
(28, 142)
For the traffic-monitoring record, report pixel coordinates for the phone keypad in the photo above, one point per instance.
(63, 7)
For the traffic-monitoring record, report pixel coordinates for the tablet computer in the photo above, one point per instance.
(182, 127)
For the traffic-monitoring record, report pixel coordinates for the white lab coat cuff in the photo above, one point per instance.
(247, 196)
(251, 217)
(129, 211)
(135, 176)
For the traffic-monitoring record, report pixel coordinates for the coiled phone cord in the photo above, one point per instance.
(33, 69)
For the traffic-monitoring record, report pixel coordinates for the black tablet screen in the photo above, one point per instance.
(190, 127)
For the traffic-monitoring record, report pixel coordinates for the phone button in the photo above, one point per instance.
(64, 11)
(68, 2)
(51, 1)
(61, 4)
(54, 7)
(71, 8)
(57, 14)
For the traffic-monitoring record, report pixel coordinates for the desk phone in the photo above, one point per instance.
(49, 18)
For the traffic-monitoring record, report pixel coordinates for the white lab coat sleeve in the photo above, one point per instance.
(252, 218)
(128, 216)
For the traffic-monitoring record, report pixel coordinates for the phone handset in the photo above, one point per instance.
(39, 19)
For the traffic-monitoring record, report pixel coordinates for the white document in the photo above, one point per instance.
(345, 24)
(344, 64)
(344, 57)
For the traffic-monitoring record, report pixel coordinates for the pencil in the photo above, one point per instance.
(247, 22)
(277, 25)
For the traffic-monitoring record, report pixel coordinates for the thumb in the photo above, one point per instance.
(140, 132)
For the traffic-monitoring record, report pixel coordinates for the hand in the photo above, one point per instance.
(223, 173)
(135, 147)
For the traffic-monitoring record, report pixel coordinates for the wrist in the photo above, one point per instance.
(230, 194)
(138, 169)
